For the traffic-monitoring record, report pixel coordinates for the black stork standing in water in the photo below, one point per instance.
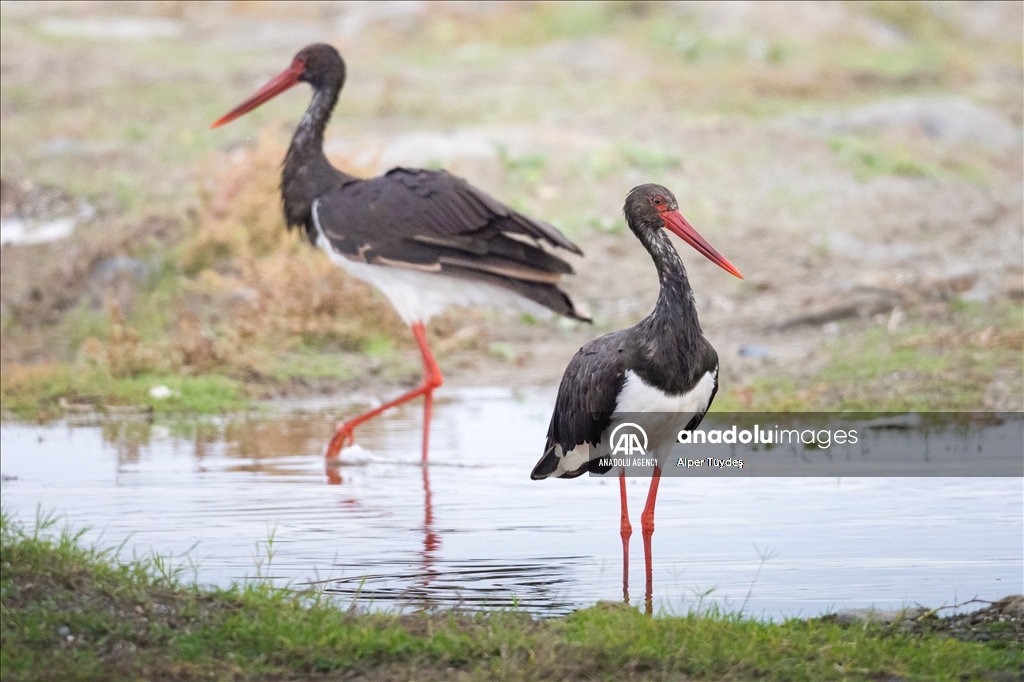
(663, 364)
(425, 238)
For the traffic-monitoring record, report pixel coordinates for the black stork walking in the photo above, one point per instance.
(663, 364)
(425, 238)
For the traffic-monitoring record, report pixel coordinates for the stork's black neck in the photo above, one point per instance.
(672, 352)
(307, 173)
(309, 135)
(675, 313)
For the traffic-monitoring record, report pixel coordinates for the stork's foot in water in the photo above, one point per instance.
(344, 436)
(333, 466)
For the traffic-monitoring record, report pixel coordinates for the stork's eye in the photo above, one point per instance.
(658, 202)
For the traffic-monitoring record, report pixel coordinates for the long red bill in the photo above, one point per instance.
(675, 221)
(273, 88)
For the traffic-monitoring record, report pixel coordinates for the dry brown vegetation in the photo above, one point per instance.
(238, 285)
(257, 282)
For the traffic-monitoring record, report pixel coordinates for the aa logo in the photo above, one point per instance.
(628, 439)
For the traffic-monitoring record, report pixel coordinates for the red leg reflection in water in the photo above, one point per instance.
(625, 530)
(431, 540)
(647, 528)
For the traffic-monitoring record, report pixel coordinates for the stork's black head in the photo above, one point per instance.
(651, 207)
(319, 65)
(646, 205)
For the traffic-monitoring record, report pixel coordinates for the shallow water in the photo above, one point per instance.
(472, 529)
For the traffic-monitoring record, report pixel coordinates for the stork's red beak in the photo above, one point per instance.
(675, 221)
(273, 88)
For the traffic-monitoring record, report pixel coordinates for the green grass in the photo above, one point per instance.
(868, 160)
(80, 613)
(870, 157)
(924, 366)
(47, 390)
(649, 160)
(309, 364)
(525, 170)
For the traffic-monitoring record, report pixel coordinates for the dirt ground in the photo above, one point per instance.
(859, 163)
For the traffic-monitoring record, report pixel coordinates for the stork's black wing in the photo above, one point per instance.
(585, 404)
(436, 222)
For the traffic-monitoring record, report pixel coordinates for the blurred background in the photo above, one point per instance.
(859, 162)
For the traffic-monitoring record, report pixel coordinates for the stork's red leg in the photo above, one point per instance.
(625, 530)
(428, 411)
(647, 527)
(431, 379)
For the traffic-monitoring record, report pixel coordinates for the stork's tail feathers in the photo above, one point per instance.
(576, 462)
(547, 464)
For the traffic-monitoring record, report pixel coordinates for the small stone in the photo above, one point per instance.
(161, 392)
(109, 269)
(895, 319)
(63, 631)
(882, 616)
(753, 352)
(1012, 605)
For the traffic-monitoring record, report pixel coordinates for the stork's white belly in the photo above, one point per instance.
(639, 396)
(419, 295)
(663, 414)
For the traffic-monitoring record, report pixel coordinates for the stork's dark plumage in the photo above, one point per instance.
(426, 238)
(663, 364)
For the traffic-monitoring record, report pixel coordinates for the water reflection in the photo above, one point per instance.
(471, 529)
(431, 540)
